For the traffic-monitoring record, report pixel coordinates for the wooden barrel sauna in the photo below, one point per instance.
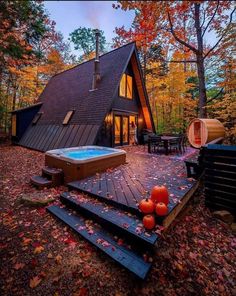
(202, 131)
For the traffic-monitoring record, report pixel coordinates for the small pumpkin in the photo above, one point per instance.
(161, 209)
(149, 222)
(146, 206)
(160, 194)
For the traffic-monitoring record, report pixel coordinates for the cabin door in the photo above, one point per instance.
(121, 130)
(123, 133)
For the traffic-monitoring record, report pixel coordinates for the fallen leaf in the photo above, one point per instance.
(38, 250)
(26, 241)
(58, 259)
(34, 282)
(18, 266)
(50, 256)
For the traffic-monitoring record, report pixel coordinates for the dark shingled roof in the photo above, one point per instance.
(71, 90)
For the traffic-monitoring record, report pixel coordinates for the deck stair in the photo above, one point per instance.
(56, 175)
(113, 219)
(50, 177)
(40, 182)
(102, 232)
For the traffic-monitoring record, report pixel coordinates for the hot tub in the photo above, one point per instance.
(81, 162)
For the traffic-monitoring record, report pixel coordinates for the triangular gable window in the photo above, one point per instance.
(68, 117)
(126, 86)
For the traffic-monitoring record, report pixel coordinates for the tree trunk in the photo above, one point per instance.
(202, 87)
(200, 64)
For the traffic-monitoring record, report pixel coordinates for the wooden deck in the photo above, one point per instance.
(126, 185)
(112, 229)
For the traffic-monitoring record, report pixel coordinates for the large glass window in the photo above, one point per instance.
(125, 137)
(126, 86)
(117, 129)
(129, 81)
(123, 86)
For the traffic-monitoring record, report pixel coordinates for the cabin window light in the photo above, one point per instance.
(126, 86)
(68, 117)
(13, 125)
(36, 118)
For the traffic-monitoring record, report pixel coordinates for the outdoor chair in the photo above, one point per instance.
(156, 143)
(175, 144)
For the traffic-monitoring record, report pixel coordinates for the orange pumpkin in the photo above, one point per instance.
(146, 206)
(149, 222)
(161, 209)
(160, 194)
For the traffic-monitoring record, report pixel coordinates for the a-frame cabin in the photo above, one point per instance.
(93, 103)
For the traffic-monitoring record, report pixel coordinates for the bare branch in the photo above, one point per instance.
(216, 96)
(222, 36)
(177, 38)
(211, 19)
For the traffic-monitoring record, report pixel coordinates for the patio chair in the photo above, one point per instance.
(156, 143)
(175, 144)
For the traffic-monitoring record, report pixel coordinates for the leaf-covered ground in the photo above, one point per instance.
(40, 256)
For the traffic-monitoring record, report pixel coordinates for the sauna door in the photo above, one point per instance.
(197, 132)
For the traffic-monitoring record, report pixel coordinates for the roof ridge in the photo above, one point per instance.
(93, 58)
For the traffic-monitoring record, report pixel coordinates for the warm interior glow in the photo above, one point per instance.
(123, 86)
(117, 129)
(13, 125)
(126, 86)
(125, 137)
(68, 117)
(197, 132)
(129, 93)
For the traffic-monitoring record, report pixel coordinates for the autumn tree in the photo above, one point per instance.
(21, 24)
(185, 24)
(31, 51)
(169, 94)
(84, 40)
(223, 104)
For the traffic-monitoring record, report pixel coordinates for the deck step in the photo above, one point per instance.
(113, 218)
(104, 241)
(53, 174)
(52, 171)
(77, 185)
(40, 181)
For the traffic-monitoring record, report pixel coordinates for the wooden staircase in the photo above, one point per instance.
(50, 177)
(108, 224)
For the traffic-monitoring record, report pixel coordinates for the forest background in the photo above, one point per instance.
(187, 74)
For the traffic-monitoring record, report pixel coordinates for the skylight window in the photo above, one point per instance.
(36, 118)
(68, 117)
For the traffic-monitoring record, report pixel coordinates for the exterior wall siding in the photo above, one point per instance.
(23, 120)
